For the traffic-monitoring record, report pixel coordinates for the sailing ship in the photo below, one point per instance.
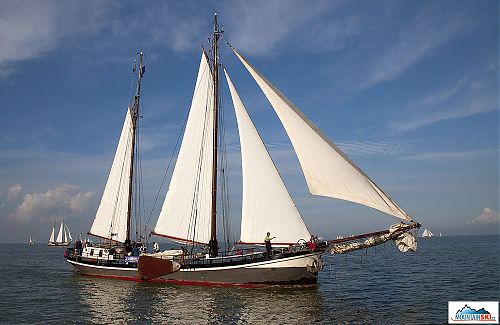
(63, 236)
(32, 240)
(190, 215)
(427, 233)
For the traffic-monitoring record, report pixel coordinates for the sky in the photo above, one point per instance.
(408, 89)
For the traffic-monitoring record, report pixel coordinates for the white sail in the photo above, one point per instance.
(267, 205)
(52, 234)
(427, 233)
(60, 234)
(68, 234)
(111, 217)
(186, 212)
(328, 171)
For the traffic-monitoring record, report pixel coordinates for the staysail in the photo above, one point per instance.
(328, 171)
(111, 218)
(60, 235)
(68, 234)
(267, 205)
(186, 212)
(52, 234)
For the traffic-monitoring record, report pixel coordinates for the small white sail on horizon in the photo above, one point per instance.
(52, 234)
(427, 233)
(63, 236)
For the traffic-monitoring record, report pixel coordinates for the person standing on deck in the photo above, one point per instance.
(267, 241)
(156, 247)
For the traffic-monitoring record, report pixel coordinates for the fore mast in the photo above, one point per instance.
(134, 112)
(213, 244)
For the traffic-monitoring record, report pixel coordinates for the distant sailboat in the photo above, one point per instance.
(427, 233)
(63, 237)
(32, 240)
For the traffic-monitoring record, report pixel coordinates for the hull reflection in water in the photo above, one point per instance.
(112, 301)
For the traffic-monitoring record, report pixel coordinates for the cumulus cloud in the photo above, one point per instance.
(487, 217)
(61, 201)
(13, 192)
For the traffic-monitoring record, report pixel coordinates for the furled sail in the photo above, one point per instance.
(267, 205)
(186, 212)
(328, 171)
(111, 218)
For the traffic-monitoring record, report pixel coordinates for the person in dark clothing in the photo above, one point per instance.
(267, 241)
(78, 247)
(135, 249)
(128, 247)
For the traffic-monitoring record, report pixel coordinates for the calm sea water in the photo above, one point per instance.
(381, 286)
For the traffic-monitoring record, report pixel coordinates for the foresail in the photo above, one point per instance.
(52, 235)
(328, 171)
(111, 217)
(186, 212)
(267, 205)
(68, 234)
(60, 234)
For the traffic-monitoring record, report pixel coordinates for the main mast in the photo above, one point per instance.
(134, 112)
(213, 245)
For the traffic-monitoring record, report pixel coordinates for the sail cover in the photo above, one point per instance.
(186, 212)
(111, 218)
(328, 171)
(267, 205)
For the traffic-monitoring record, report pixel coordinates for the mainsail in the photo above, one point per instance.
(328, 171)
(186, 212)
(267, 205)
(111, 218)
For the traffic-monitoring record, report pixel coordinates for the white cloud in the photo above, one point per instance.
(465, 97)
(444, 94)
(416, 41)
(63, 201)
(372, 147)
(487, 217)
(30, 29)
(27, 30)
(14, 191)
(277, 20)
(437, 156)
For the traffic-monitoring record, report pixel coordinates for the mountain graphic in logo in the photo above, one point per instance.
(470, 314)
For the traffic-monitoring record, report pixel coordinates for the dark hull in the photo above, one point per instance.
(295, 270)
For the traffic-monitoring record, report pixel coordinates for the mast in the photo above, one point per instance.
(213, 245)
(134, 112)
